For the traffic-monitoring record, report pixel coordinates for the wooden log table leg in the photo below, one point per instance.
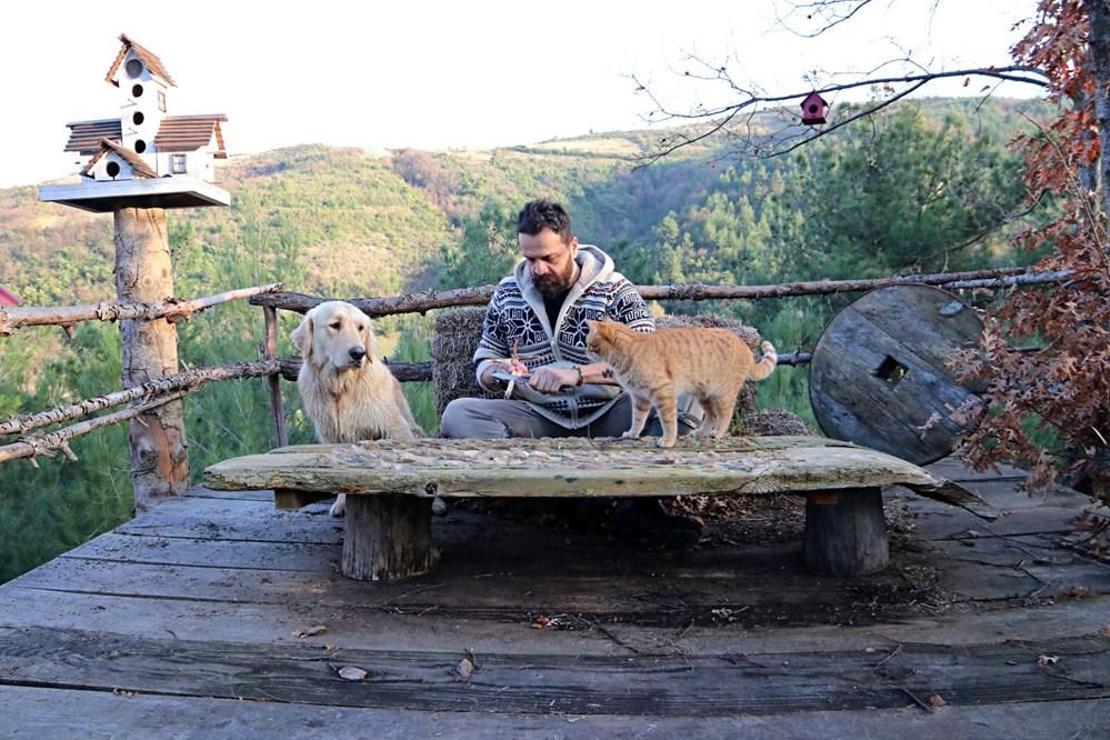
(388, 536)
(845, 532)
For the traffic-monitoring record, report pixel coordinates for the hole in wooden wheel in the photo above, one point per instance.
(891, 371)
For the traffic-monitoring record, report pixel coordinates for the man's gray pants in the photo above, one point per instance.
(494, 418)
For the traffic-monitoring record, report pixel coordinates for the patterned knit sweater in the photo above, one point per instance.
(516, 313)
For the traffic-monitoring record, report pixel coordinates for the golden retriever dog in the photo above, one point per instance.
(347, 392)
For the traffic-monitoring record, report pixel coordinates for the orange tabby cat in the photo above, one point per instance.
(710, 364)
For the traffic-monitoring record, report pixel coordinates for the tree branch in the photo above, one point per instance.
(721, 116)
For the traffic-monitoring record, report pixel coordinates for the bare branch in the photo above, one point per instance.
(828, 10)
(170, 309)
(720, 117)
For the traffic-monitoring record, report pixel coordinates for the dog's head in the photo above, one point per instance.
(335, 335)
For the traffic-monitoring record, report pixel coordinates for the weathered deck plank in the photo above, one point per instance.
(543, 684)
(63, 714)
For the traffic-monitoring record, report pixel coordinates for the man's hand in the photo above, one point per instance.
(550, 379)
(516, 367)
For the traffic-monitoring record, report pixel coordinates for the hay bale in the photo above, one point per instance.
(456, 338)
(745, 406)
(773, 422)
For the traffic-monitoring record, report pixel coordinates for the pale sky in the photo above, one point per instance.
(437, 75)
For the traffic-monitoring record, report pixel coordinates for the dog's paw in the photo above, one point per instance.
(630, 435)
(439, 506)
(664, 442)
(339, 508)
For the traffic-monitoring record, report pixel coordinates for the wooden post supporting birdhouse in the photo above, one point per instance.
(136, 165)
(144, 273)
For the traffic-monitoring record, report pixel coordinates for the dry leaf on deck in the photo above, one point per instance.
(351, 673)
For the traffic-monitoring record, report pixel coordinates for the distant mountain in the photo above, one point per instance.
(368, 224)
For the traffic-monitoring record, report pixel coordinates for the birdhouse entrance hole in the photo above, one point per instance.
(891, 371)
(134, 68)
(138, 118)
(140, 146)
(112, 169)
(136, 91)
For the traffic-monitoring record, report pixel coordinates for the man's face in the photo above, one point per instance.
(550, 260)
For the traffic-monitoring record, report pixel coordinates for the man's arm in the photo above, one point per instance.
(550, 379)
(493, 348)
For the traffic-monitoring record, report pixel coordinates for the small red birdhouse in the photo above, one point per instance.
(8, 298)
(813, 109)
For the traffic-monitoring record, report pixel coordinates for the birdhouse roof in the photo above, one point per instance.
(189, 133)
(810, 98)
(148, 57)
(8, 298)
(138, 164)
(85, 136)
(175, 134)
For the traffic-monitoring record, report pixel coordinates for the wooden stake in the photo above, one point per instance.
(269, 352)
(144, 273)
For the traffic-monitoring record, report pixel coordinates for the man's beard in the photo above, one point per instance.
(552, 285)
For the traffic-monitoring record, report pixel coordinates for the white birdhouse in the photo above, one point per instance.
(144, 157)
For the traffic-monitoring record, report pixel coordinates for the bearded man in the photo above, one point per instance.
(533, 352)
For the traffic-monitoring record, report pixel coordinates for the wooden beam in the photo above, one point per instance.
(188, 380)
(66, 316)
(476, 296)
(403, 371)
(45, 444)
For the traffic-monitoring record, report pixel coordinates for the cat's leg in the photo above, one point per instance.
(641, 407)
(709, 420)
(666, 403)
(725, 408)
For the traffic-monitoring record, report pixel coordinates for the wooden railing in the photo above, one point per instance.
(142, 398)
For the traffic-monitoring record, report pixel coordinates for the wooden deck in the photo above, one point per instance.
(185, 622)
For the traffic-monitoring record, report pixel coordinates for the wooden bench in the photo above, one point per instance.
(390, 486)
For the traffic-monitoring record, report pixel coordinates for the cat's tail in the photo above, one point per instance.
(764, 367)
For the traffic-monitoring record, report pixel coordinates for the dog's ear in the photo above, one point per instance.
(302, 335)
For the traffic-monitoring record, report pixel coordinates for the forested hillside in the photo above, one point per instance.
(922, 187)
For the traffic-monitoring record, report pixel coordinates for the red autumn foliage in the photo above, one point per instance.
(1065, 384)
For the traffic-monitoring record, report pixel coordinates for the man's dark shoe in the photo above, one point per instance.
(645, 521)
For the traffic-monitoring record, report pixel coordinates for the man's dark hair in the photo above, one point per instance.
(544, 214)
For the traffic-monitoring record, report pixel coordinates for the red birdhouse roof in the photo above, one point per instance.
(814, 97)
(8, 298)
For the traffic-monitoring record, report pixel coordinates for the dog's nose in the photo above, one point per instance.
(357, 353)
